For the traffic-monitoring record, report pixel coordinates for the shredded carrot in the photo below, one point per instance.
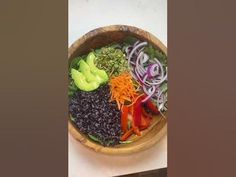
(122, 89)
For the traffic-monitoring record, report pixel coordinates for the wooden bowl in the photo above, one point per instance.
(98, 38)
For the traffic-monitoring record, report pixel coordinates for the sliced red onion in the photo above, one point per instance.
(140, 50)
(145, 78)
(158, 91)
(165, 101)
(166, 73)
(136, 53)
(138, 66)
(143, 69)
(133, 75)
(153, 70)
(149, 72)
(145, 90)
(154, 82)
(151, 76)
(161, 101)
(157, 82)
(142, 44)
(144, 59)
(138, 76)
(161, 67)
(141, 59)
(150, 93)
(140, 55)
(127, 50)
(140, 71)
(136, 43)
(131, 62)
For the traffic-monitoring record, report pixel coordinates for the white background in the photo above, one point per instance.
(85, 15)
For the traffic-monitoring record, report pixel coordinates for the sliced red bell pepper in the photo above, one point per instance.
(145, 122)
(137, 111)
(124, 118)
(126, 135)
(144, 112)
(152, 107)
(136, 131)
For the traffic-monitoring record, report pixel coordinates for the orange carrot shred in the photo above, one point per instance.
(122, 89)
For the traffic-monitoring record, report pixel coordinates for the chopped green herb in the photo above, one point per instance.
(164, 86)
(115, 46)
(72, 89)
(154, 53)
(130, 40)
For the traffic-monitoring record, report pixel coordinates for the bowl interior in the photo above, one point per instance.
(101, 37)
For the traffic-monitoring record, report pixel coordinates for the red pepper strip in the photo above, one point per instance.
(131, 110)
(136, 131)
(124, 118)
(152, 107)
(143, 128)
(138, 111)
(126, 135)
(144, 112)
(145, 122)
(137, 114)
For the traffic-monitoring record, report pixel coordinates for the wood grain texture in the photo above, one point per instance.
(98, 38)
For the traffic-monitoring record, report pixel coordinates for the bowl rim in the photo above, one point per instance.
(71, 127)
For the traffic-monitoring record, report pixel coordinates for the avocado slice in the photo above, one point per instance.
(101, 73)
(81, 82)
(85, 70)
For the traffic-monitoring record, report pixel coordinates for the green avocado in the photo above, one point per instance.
(86, 71)
(101, 73)
(81, 82)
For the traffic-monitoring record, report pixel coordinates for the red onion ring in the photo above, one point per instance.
(151, 76)
(135, 70)
(139, 57)
(135, 48)
(140, 71)
(127, 50)
(144, 59)
(151, 70)
(151, 91)
(136, 43)
(161, 67)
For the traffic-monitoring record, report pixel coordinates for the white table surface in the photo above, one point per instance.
(85, 15)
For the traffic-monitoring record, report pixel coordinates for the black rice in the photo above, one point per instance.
(94, 114)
